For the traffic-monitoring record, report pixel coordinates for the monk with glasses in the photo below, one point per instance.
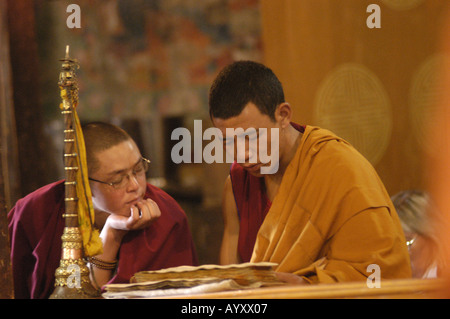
(141, 226)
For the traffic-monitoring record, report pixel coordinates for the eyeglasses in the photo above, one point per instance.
(121, 182)
(410, 242)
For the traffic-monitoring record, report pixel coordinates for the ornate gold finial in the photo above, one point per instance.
(72, 276)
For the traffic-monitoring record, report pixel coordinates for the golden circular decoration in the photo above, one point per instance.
(352, 103)
(426, 87)
(402, 4)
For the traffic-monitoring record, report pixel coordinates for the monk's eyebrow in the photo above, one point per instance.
(121, 171)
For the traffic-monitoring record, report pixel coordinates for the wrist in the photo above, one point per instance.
(111, 233)
(111, 239)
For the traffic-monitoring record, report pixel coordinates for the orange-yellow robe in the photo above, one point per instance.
(332, 217)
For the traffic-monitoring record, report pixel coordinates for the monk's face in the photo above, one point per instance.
(261, 138)
(116, 164)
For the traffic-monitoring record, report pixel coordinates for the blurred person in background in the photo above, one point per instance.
(412, 207)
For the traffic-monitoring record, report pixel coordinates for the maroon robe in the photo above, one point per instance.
(36, 225)
(252, 206)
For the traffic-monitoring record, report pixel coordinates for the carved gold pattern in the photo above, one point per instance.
(426, 88)
(352, 102)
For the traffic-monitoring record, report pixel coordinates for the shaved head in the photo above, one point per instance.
(100, 136)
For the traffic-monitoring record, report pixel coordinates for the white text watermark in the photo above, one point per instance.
(243, 146)
(374, 280)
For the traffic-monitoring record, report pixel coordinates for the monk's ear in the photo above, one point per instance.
(283, 114)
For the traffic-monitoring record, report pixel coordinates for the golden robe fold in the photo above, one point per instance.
(332, 217)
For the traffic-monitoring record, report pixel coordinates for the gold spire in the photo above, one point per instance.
(72, 277)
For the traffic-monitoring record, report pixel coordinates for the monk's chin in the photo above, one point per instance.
(254, 170)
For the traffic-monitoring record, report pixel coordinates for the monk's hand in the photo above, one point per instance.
(290, 278)
(142, 215)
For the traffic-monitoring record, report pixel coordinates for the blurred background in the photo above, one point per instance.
(147, 66)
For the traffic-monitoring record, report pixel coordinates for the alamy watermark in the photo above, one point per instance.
(373, 280)
(74, 19)
(74, 279)
(372, 21)
(243, 146)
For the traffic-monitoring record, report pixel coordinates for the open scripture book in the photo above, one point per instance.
(190, 280)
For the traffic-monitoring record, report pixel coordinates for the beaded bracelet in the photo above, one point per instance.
(101, 264)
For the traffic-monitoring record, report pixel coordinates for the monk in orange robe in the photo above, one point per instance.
(323, 214)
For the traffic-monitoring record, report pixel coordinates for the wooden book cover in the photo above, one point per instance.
(243, 274)
(217, 277)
